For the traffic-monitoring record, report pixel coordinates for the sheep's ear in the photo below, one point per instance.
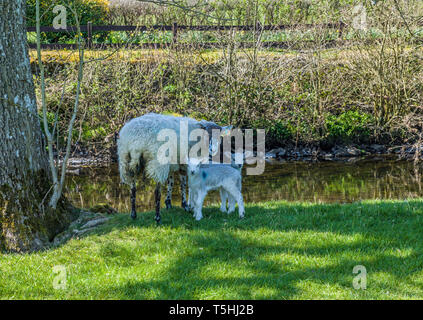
(226, 131)
(203, 160)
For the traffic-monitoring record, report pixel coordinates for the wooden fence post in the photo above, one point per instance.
(89, 34)
(175, 32)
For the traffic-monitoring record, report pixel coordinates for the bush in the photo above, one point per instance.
(95, 11)
(350, 126)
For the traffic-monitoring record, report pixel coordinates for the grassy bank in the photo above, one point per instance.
(279, 251)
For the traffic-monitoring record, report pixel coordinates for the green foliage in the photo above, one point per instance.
(350, 126)
(241, 12)
(88, 10)
(277, 132)
(89, 133)
(95, 11)
(50, 121)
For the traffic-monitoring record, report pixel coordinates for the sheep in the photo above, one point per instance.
(138, 148)
(205, 177)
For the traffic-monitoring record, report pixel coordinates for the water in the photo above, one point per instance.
(293, 181)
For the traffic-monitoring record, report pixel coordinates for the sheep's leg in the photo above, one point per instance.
(133, 197)
(183, 179)
(157, 196)
(168, 200)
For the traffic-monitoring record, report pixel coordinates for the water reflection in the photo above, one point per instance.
(292, 181)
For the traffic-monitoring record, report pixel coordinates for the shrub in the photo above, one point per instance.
(277, 133)
(95, 11)
(350, 126)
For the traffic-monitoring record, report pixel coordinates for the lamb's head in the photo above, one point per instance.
(193, 166)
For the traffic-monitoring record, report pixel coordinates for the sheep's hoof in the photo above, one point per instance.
(133, 215)
(168, 204)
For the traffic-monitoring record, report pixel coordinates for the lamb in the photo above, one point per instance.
(205, 177)
(138, 148)
(225, 198)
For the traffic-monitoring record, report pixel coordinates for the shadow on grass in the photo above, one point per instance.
(281, 249)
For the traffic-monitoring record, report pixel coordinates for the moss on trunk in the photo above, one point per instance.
(27, 223)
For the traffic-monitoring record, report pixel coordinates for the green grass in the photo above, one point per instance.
(279, 251)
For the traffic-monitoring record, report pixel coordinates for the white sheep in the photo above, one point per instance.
(138, 148)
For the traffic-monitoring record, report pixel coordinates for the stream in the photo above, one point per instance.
(321, 182)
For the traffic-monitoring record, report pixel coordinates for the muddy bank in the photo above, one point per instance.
(338, 153)
(341, 152)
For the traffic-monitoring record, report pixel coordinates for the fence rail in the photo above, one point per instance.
(90, 29)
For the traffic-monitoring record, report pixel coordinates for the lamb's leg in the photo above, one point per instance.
(223, 197)
(157, 196)
(240, 202)
(133, 197)
(231, 204)
(183, 179)
(237, 195)
(168, 200)
(199, 200)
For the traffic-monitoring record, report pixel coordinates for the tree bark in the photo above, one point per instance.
(26, 221)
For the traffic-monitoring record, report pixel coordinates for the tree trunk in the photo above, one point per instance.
(26, 221)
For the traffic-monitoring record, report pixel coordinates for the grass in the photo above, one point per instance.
(279, 251)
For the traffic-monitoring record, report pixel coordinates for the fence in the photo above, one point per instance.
(89, 29)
